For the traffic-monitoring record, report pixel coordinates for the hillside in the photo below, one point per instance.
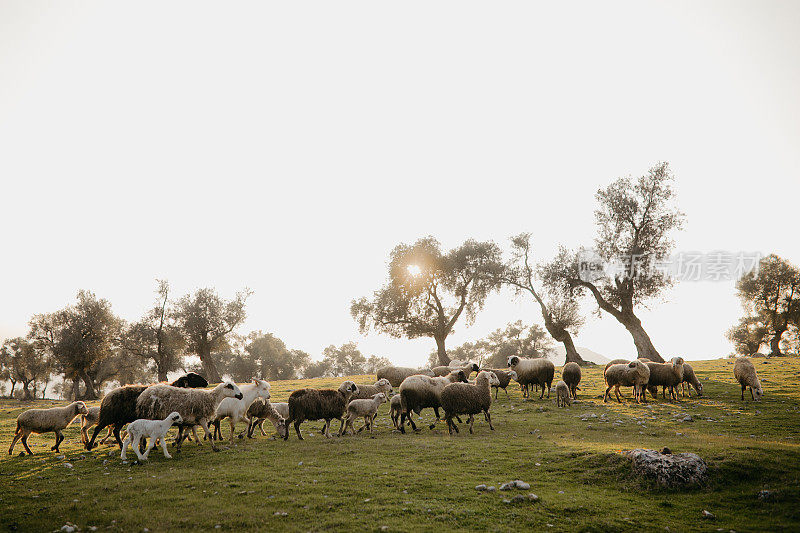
(558, 354)
(426, 481)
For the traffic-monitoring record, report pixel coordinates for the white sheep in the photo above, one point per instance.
(54, 419)
(155, 430)
(563, 395)
(745, 374)
(236, 409)
(634, 374)
(362, 408)
(535, 371)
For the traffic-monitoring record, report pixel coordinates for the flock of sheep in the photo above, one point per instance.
(150, 411)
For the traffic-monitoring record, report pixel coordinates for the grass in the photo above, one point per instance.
(426, 481)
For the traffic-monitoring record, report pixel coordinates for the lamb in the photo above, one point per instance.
(154, 429)
(190, 380)
(634, 374)
(261, 410)
(419, 392)
(54, 419)
(469, 368)
(396, 374)
(504, 377)
(196, 406)
(362, 408)
(563, 394)
(395, 406)
(90, 419)
(538, 371)
(235, 409)
(745, 374)
(571, 374)
(318, 404)
(469, 399)
(690, 380)
(667, 375)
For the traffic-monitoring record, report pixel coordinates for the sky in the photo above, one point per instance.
(288, 147)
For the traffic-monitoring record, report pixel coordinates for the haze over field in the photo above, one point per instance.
(289, 149)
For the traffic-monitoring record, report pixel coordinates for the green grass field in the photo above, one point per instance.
(425, 481)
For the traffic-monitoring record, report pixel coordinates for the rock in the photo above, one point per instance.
(480, 487)
(384, 528)
(707, 515)
(491, 488)
(516, 484)
(767, 495)
(67, 465)
(68, 528)
(518, 498)
(687, 418)
(666, 451)
(533, 497)
(59, 457)
(669, 470)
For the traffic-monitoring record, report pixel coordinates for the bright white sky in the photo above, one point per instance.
(289, 146)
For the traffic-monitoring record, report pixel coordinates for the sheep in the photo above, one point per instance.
(235, 409)
(396, 374)
(54, 419)
(117, 408)
(615, 362)
(419, 392)
(362, 408)
(318, 404)
(261, 410)
(366, 392)
(469, 368)
(690, 380)
(395, 406)
(538, 371)
(154, 429)
(634, 374)
(196, 406)
(667, 375)
(504, 377)
(458, 363)
(563, 394)
(469, 399)
(190, 381)
(571, 374)
(745, 374)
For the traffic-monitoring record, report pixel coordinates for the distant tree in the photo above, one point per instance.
(374, 362)
(561, 313)
(428, 290)
(275, 360)
(206, 320)
(469, 351)
(747, 335)
(317, 369)
(79, 338)
(24, 364)
(516, 339)
(156, 337)
(772, 294)
(345, 360)
(634, 221)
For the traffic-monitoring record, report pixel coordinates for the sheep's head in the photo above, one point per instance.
(458, 376)
(380, 397)
(513, 360)
(758, 392)
(513, 375)
(494, 381)
(699, 388)
(677, 361)
(175, 417)
(475, 368)
(348, 388)
(262, 387)
(384, 385)
(80, 408)
(281, 427)
(230, 390)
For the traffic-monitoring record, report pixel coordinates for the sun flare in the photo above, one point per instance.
(414, 270)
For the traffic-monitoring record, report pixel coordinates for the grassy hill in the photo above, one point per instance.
(425, 481)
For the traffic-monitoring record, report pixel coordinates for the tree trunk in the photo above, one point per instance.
(441, 352)
(162, 373)
(76, 389)
(26, 393)
(11, 394)
(90, 393)
(209, 367)
(572, 354)
(644, 346)
(775, 344)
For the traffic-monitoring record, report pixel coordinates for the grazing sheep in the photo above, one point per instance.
(563, 394)
(190, 381)
(235, 409)
(196, 406)
(469, 399)
(537, 371)
(745, 374)
(154, 429)
(419, 392)
(319, 404)
(469, 368)
(634, 374)
(395, 406)
(667, 375)
(690, 380)
(396, 374)
(571, 374)
(54, 419)
(362, 408)
(261, 410)
(504, 377)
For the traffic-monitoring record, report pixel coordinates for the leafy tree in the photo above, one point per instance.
(156, 337)
(635, 219)
(772, 294)
(345, 360)
(561, 313)
(516, 339)
(374, 363)
(206, 320)
(469, 351)
(317, 369)
(747, 335)
(275, 360)
(428, 290)
(24, 364)
(79, 338)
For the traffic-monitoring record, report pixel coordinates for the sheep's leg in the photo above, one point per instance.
(117, 429)
(204, 424)
(605, 396)
(471, 421)
(436, 412)
(24, 441)
(84, 435)
(296, 429)
(743, 388)
(136, 443)
(164, 448)
(233, 428)
(489, 419)
(109, 434)
(751, 394)
(125, 445)
(194, 432)
(59, 438)
(150, 445)
(261, 427)
(616, 391)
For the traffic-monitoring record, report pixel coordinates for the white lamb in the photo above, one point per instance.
(156, 430)
(235, 409)
(362, 408)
